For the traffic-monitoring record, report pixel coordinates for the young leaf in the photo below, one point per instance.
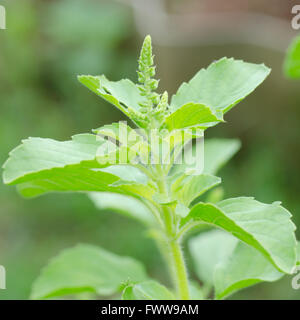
(147, 290)
(193, 115)
(118, 132)
(188, 187)
(111, 154)
(123, 94)
(266, 227)
(292, 60)
(127, 145)
(119, 93)
(86, 268)
(174, 142)
(222, 85)
(123, 204)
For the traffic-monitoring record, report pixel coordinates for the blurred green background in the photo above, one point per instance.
(47, 43)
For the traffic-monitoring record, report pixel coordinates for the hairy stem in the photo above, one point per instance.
(186, 228)
(175, 257)
(180, 277)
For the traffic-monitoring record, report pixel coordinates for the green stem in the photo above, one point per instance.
(187, 228)
(152, 207)
(175, 258)
(180, 273)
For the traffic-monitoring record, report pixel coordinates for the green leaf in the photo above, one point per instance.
(129, 145)
(36, 155)
(292, 59)
(174, 143)
(147, 290)
(111, 154)
(45, 165)
(222, 85)
(122, 94)
(82, 180)
(243, 268)
(68, 179)
(179, 137)
(86, 268)
(135, 153)
(126, 173)
(188, 187)
(192, 115)
(266, 227)
(228, 264)
(218, 152)
(131, 180)
(122, 133)
(120, 203)
(196, 291)
(207, 250)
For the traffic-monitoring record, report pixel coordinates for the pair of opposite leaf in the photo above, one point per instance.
(256, 232)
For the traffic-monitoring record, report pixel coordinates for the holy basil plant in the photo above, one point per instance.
(154, 172)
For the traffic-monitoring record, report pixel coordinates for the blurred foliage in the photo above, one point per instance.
(46, 44)
(292, 59)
